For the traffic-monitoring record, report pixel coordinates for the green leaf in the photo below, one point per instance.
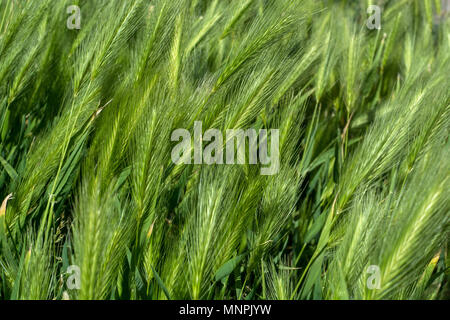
(161, 283)
(316, 227)
(228, 267)
(9, 169)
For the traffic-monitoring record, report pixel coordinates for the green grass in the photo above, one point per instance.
(86, 118)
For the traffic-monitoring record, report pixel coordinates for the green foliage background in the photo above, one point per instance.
(86, 117)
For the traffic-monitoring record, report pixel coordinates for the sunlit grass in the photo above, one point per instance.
(87, 179)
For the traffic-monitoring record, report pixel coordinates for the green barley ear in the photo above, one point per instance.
(175, 54)
(101, 233)
(37, 274)
(394, 233)
(87, 115)
(279, 279)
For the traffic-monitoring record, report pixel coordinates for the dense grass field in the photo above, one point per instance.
(93, 207)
